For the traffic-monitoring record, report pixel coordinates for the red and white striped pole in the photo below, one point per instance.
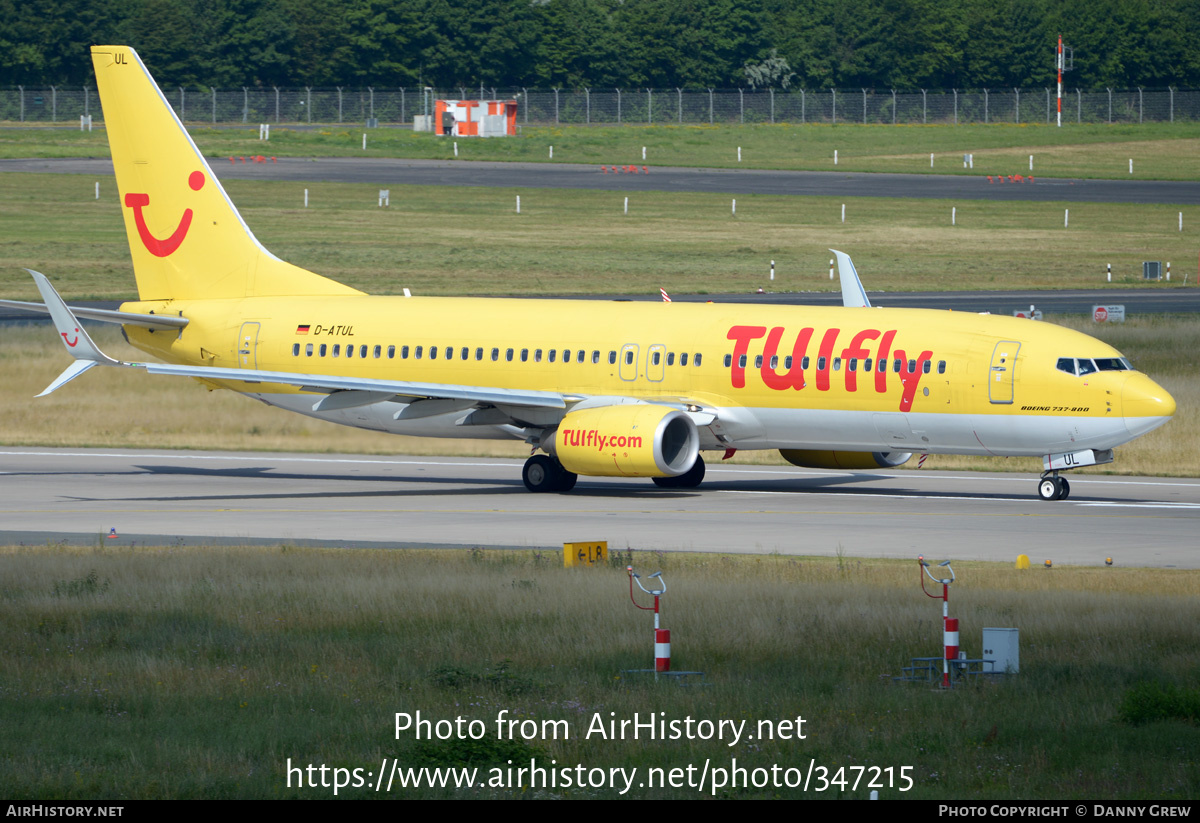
(949, 624)
(662, 637)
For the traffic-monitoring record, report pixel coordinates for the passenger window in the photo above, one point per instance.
(391, 353)
(349, 351)
(912, 366)
(925, 366)
(495, 355)
(852, 364)
(403, 353)
(941, 367)
(837, 364)
(378, 351)
(758, 362)
(433, 352)
(362, 351)
(657, 357)
(524, 355)
(787, 362)
(417, 352)
(537, 355)
(612, 357)
(820, 364)
(696, 359)
(582, 356)
(295, 350)
(449, 352)
(337, 349)
(742, 361)
(629, 358)
(323, 349)
(465, 354)
(308, 350)
(567, 356)
(508, 355)
(683, 359)
(896, 364)
(881, 365)
(595, 356)
(551, 354)
(671, 358)
(479, 353)
(804, 361)
(728, 360)
(867, 365)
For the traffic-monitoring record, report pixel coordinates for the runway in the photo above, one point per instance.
(453, 173)
(193, 498)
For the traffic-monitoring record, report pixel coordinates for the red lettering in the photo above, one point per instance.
(856, 351)
(825, 354)
(793, 378)
(910, 379)
(885, 348)
(742, 335)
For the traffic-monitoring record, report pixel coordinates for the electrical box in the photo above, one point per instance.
(1002, 648)
(1152, 270)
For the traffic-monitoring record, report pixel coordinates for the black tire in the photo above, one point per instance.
(566, 480)
(1049, 488)
(540, 474)
(690, 479)
(1065, 491)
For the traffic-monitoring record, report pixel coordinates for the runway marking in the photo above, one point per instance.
(1148, 505)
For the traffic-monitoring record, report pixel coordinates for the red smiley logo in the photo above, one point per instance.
(162, 248)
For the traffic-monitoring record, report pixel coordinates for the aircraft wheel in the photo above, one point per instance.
(540, 474)
(1065, 492)
(692, 478)
(666, 482)
(566, 479)
(1049, 488)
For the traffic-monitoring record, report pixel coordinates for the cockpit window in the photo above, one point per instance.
(1066, 364)
(1112, 364)
(1086, 366)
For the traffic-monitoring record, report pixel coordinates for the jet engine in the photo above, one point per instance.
(635, 440)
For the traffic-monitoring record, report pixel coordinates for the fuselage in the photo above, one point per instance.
(855, 379)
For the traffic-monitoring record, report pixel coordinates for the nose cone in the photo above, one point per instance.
(1145, 405)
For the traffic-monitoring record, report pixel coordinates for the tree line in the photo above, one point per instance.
(604, 44)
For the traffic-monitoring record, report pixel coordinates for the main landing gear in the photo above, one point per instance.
(1053, 487)
(690, 479)
(545, 474)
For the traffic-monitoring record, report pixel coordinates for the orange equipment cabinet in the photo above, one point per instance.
(475, 118)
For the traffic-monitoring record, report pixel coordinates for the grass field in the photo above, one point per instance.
(126, 408)
(1160, 151)
(167, 672)
(580, 242)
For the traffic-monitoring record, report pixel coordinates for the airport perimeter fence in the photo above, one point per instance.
(251, 106)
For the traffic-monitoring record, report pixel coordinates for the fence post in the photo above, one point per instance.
(649, 107)
(462, 93)
(1139, 104)
(587, 93)
(893, 107)
(834, 93)
(87, 100)
(618, 107)
(864, 91)
(1047, 104)
(214, 104)
(710, 107)
(182, 103)
(679, 99)
(339, 89)
(276, 104)
(741, 108)
(245, 105)
(1017, 108)
(308, 103)
(1110, 107)
(771, 93)
(525, 97)
(924, 108)
(22, 90)
(985, 106)
(955, 106)
(803, 107)
(53, 104)
(402, 117)
(1171, 89)
(1078, 105)
(556, 107)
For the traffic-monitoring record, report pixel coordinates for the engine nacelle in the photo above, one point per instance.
(635, 440)
(818, 459)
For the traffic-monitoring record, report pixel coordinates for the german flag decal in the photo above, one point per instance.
(302, 329)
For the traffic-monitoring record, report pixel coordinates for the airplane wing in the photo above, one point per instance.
(853, 294)
(360, 390)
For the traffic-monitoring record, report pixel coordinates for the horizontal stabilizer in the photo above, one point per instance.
(125, 318)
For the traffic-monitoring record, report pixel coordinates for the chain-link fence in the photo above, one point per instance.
(59, 104)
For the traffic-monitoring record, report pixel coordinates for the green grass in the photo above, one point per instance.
(198, 672)
(1160, 151)
(580, 242)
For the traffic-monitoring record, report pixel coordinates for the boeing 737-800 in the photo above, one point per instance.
(595, 388)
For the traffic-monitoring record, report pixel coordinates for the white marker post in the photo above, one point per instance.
(830, 269)
(364, 142)
(268, 125)
(735, 207)
(98, 197)
(1131, 165)
(1110, 272)
(843, 212)
(954, 216)
(931, 160)
(1180, 217)
(1066, 217)
(455, 147)
(627, 205)
(1168, 271)
(306, 198)
(518, 204)
(1031, 162)
(385, 197)
(643, 152)
(739, 154)
(552, 152)
(772, 269)
(835, 157)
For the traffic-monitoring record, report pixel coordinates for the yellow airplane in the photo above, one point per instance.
(600, 388)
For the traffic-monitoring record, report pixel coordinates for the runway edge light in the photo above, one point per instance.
(586, 554)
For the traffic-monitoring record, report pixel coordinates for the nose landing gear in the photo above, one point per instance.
(1053, 487)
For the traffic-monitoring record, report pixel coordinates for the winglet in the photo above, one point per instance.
(79, 345)
(853, 294)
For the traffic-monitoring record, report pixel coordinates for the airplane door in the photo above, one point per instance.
(248, 346)
(656, 362)
(629, 362)
(1003, 371)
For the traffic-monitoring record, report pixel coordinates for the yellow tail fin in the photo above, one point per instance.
(186, 238)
